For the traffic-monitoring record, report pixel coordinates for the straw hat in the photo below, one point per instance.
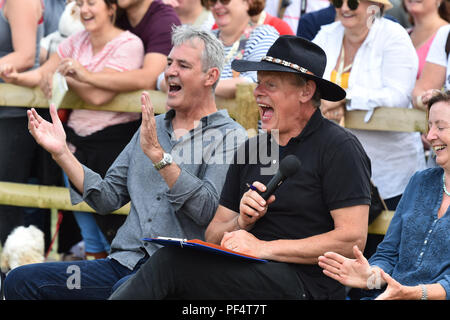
(386, 3)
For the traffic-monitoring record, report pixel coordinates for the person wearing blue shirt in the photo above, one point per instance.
(413, 260)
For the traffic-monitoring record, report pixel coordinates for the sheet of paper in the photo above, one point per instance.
(59, 89)
(197, 244)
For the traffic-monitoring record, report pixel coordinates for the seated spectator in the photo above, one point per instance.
(323, 205)
(413, 261)
(170, 195)
(426, 21)
(377, 65)
(95, 137)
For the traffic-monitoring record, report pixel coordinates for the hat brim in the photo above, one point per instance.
(328, 90)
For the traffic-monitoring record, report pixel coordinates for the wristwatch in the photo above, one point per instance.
(165, 161)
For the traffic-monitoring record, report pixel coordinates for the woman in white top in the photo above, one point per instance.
(374, 60)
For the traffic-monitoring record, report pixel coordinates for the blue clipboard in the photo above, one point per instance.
(202, 246)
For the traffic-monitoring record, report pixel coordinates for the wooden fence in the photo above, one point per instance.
(243, 109)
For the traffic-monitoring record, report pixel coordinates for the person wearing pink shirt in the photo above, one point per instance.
(427, 17)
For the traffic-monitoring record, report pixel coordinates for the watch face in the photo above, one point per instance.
(165, 161)
(167, 158)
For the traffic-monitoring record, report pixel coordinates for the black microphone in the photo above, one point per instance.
(288, 167)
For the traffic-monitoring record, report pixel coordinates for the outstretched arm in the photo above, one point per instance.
(51, 136)
(350, 272)
(131, 80)
(10, 74)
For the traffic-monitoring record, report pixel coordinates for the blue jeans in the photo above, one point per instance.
(94, 240)
(82, 279)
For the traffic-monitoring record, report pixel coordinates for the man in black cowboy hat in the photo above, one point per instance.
(323, 207)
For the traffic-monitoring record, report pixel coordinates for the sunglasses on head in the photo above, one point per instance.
(352, 4)
(211, 3)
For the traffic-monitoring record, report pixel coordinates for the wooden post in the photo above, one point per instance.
(388, 119)
(247, 109)
(48, 197)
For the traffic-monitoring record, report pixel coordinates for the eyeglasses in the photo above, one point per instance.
(211, 3)
(352, 4)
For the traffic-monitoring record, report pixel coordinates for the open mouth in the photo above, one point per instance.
(174, 88)
(347, 15)
(87, 18)
(267, 112)
(439, 148)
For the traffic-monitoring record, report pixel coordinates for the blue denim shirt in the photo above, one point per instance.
(416, 248)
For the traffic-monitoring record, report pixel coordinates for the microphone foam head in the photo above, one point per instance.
(289, 165)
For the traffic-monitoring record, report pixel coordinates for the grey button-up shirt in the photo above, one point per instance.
(203, 154)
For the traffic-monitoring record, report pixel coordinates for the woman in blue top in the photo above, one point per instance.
(413, 260)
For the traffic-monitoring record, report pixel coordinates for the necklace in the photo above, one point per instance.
(445, 188)
(341, 69)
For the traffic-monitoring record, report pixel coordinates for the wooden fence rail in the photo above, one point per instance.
(243, 109)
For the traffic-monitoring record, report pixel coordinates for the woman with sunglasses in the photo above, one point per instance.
(241, 39)
(374, 60)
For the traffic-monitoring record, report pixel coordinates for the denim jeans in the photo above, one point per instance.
(77, 280)
(94, 240)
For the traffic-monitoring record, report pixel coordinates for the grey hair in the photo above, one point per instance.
(301, 81)
(213, 55)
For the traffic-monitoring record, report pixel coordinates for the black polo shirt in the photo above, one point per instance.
(334, 173)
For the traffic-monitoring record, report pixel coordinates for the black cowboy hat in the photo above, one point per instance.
(295, 54)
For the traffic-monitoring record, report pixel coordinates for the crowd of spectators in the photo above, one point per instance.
(381, 52)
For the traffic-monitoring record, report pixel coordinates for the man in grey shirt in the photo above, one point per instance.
(172, 170)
